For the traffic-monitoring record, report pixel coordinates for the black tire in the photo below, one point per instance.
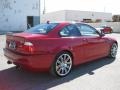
(113, 50)
(62, 67)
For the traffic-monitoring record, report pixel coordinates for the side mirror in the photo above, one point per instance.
(100, 31)
(102, 34)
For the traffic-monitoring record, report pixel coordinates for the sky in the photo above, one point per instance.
(110, 6)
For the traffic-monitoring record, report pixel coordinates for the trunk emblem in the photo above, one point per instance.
(12, 45)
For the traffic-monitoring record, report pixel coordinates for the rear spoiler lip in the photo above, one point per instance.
(10, 36)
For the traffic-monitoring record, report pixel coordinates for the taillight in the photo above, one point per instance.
(27, 47)
(28, 44)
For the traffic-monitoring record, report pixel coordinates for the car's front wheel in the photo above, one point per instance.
(62, 65)
(113, 50)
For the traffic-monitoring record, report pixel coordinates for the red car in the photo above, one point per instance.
(57, 47)
(105, 29)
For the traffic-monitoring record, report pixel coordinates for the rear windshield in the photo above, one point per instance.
(42, 28)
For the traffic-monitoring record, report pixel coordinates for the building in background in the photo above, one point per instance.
(116, 18)
(17, 15)
(78, 16)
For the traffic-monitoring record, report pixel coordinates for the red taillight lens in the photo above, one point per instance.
(27, 47)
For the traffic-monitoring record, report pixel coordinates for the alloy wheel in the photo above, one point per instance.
(114, 50)
(63, 64)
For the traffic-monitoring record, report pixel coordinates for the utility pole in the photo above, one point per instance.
(104, 9)
(39, 10)
(44, 10)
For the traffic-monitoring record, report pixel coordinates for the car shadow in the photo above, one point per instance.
(12, 79)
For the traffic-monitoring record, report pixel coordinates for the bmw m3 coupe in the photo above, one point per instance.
(57, 47)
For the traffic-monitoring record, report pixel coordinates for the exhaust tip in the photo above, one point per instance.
(9, 62)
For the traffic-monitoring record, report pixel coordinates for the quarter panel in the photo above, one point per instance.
(56, 45)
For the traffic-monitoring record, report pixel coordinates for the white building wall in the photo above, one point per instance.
(53, 17)
(74, 15)
(13, 13)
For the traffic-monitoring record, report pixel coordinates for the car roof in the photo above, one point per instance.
(67, 22)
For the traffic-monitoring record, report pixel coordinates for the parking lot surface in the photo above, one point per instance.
(103, 74)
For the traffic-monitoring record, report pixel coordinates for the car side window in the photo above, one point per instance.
(70, 30)
(86, 30)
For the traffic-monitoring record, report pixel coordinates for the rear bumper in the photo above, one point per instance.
(30, 62)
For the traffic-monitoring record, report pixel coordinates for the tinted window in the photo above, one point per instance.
(70, 30)
(42, 28)
(87, 30)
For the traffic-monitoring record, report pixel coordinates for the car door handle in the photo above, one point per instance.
(84, 39)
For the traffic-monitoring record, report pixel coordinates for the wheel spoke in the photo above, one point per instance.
(67, 66)
(62, 71)
(58, 61)
(68, 63)
(59, 71)
(61, 59)
(65, 70)
(65, 57)
(57, 67)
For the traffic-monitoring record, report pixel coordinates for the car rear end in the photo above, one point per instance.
(23, 53)
(24, 50)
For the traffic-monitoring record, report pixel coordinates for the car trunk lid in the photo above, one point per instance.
(22, 42)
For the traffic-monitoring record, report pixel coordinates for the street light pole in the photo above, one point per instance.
(104, 8)
(44, 10)
(39, 10)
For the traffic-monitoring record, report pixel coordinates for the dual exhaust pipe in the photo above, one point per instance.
(9, 62)
(17, 67)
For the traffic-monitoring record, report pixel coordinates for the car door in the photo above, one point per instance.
(95, 46)
(71, 33)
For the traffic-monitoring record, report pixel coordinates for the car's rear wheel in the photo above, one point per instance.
(62, 65)
(113, 50)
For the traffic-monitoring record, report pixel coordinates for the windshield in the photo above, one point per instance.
(42, 28)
